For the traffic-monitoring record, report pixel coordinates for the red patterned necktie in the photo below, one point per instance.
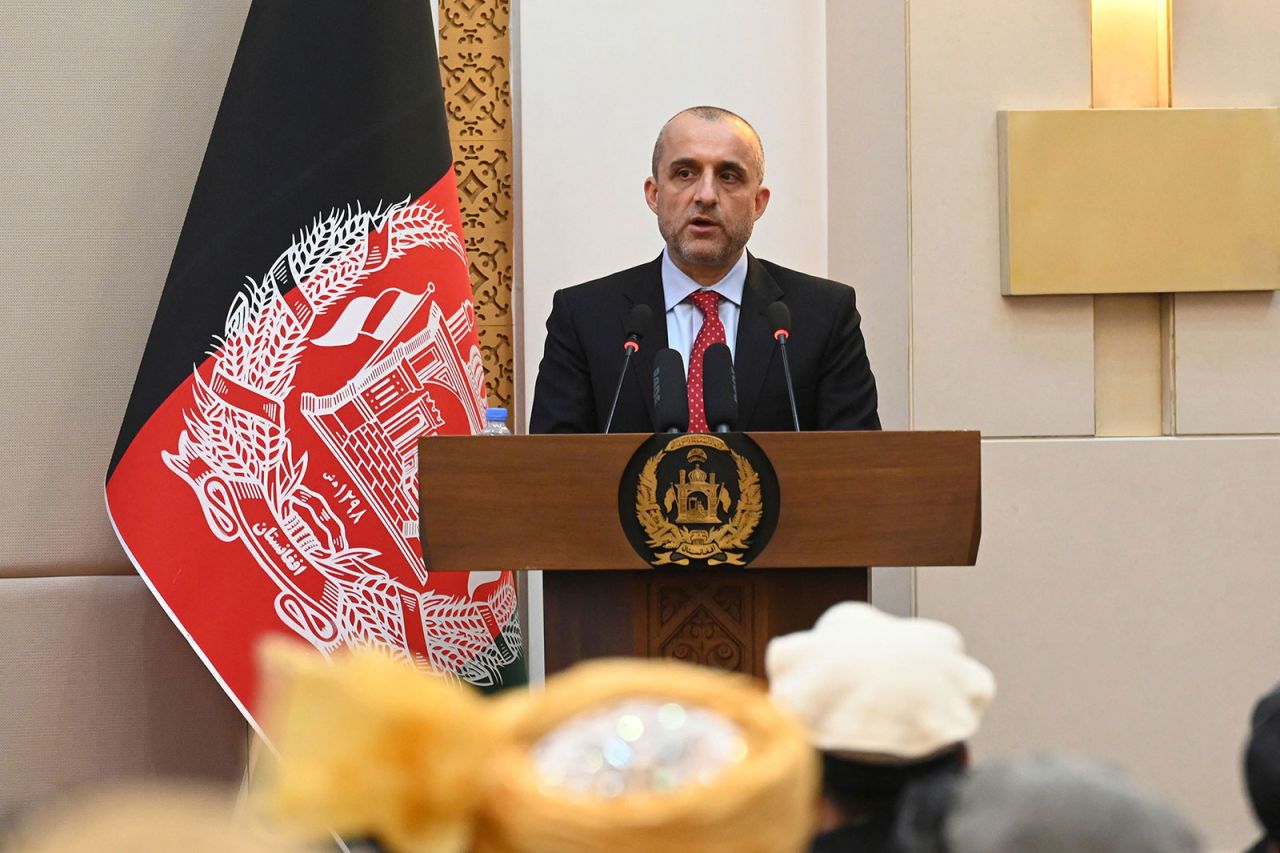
(712, 332)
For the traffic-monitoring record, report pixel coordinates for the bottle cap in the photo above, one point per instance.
(495, 413)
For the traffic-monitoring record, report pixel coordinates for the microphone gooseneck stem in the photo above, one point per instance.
(791, 391)
(617, 392)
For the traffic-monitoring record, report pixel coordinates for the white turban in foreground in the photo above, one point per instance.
(877, 687)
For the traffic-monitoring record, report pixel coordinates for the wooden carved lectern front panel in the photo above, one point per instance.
(721, 618)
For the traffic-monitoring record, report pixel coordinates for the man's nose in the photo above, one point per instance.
(705, 191)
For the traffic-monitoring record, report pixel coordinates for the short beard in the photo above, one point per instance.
(706, 255)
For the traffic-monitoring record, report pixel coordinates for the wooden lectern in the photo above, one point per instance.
(550, 502)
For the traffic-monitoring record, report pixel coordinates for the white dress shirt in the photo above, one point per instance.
(684, 319)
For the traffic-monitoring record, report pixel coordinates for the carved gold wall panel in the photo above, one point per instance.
(475, 67)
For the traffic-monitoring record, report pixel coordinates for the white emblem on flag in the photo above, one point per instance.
(242, 463)
(361, 312)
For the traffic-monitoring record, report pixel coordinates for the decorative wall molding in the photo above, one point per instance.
(475, 68)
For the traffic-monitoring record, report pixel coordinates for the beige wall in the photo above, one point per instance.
(1123, 599)
(1228, 346)
(95, 683)
(979, 360)
(105, 109)
(1124, 586)
(868, 207)
(105, 113)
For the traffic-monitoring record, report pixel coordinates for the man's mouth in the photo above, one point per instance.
(703, 223)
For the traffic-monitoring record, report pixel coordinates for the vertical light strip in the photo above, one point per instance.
(1133, 364)
(1164, 48)
(1130, 47)
(911, 329)
(1168, 302)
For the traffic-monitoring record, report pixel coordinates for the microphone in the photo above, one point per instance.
(637, 323)
(719, 389)
(670, 393)
(779, 316)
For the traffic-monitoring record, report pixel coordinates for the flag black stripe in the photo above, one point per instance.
(293, 131)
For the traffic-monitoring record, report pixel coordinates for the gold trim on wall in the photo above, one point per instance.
(475, 67)
(1131, 66)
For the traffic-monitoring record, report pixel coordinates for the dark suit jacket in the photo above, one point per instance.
(584, 353)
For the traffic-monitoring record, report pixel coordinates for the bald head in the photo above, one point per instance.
(706, 190)
(713, 114)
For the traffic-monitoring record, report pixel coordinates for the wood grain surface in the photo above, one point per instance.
(847, 499)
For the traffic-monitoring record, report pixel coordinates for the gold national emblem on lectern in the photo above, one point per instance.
(702, 506)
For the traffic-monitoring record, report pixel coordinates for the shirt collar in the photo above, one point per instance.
(676, 286)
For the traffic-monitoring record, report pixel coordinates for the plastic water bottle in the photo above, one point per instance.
(495, 421)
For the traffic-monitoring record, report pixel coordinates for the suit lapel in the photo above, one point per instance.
(646, 288)
(754, 347)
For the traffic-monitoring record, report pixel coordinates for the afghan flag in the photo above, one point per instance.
(317, 320)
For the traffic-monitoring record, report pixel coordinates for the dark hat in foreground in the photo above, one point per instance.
(1262, 763)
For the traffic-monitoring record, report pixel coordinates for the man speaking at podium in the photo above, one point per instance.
(707, 191)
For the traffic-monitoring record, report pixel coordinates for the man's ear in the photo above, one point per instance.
(651, 193)
(762, 201)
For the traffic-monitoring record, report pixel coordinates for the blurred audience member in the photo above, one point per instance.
(175, 818)
(1262, 770)
(628, 756)
(369, 746)
(1041, 805)
(888, 701)
(633, 756)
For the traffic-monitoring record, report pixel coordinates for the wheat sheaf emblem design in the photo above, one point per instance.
(300, 442)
